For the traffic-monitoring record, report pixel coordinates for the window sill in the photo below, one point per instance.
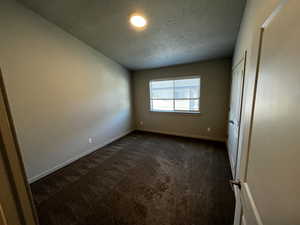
(180, 112)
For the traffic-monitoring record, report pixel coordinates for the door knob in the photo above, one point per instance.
(235, 183)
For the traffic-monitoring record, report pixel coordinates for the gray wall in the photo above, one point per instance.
(61, 91)
(215, 87)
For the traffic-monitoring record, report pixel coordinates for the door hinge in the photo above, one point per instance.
(235, 183)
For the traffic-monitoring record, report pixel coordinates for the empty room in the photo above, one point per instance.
(139, 112)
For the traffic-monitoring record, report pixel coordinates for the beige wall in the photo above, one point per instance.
(215, 85)
(256, 12)
(61, 91)
(271, 155)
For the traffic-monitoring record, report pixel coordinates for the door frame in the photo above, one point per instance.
(13, 165)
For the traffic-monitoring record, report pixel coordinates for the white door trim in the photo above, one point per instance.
(247, 199)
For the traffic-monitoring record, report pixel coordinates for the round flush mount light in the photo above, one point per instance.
(138, 21)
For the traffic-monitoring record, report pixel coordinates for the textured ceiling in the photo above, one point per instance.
(178, 31)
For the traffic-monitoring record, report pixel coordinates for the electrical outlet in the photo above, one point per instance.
(208, 129)
(90, 140)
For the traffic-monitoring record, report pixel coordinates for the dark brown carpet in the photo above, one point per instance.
(141, 179)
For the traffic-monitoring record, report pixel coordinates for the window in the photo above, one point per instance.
(175, 95)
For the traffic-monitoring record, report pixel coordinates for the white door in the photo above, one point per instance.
(270, 187)
(237, 86)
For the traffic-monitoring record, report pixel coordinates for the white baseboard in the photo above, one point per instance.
(184, 135)
(61, 165)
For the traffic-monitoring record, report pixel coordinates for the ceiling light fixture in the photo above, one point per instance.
(138, 21)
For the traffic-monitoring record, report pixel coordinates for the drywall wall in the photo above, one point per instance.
(256, 12)
(215, 86)
(269, 154)
(61, 91)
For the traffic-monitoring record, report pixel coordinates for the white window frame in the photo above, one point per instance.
(176, 111)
